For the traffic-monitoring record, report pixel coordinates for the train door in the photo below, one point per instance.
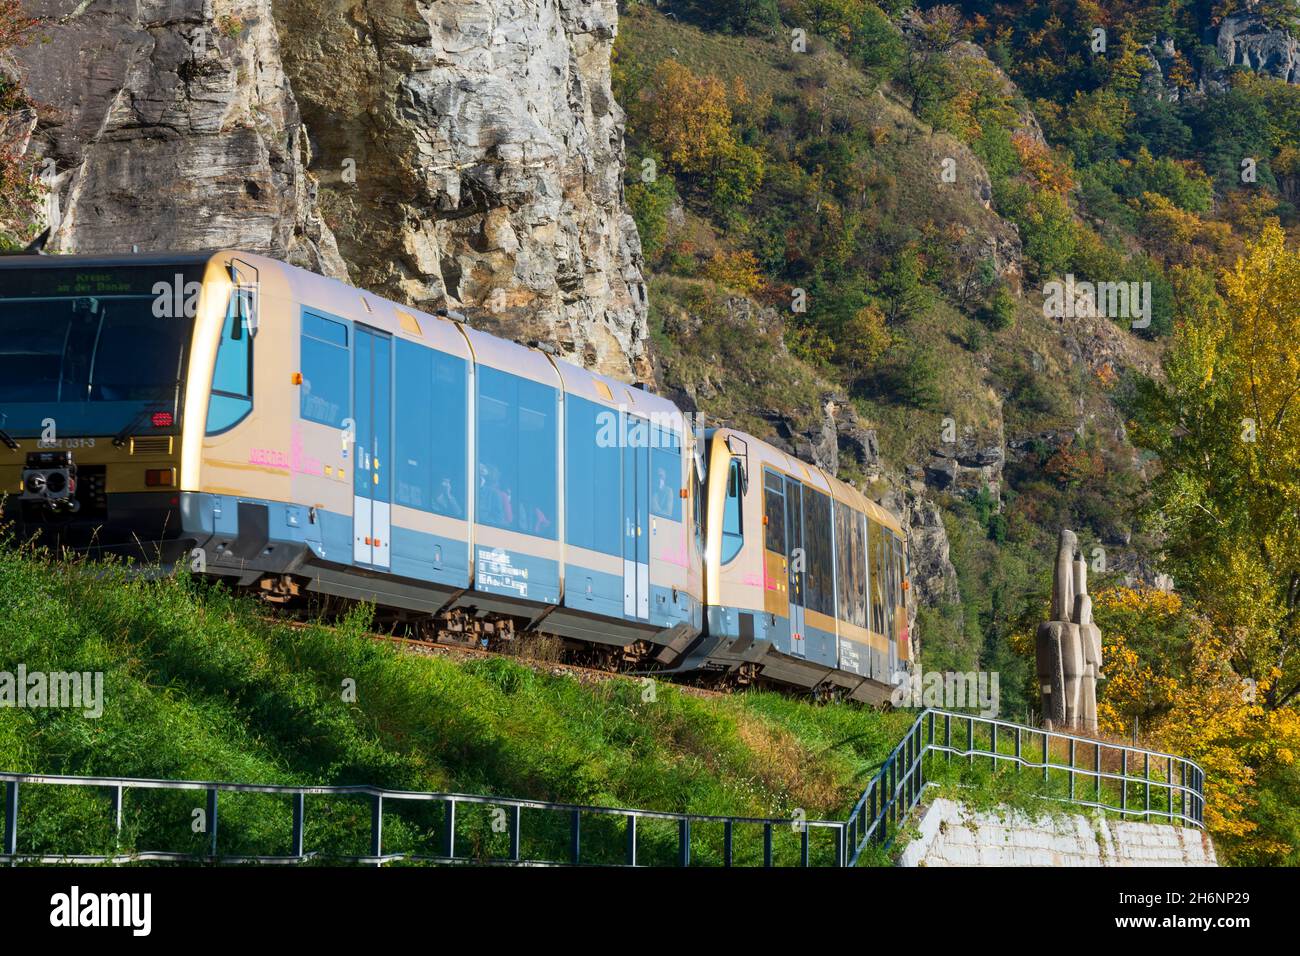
(797, 559)
(372, 499)
(636, 518)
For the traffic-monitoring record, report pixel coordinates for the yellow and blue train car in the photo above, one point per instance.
(296, 434)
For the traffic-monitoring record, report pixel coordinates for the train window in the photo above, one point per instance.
(326, 372)
(665, 473)
(733, 526)
(860, 597)
(877, 575)
(774, 511)
(431, 430)
(516, 472)
(819, 555)
(697, 500)
(850, 564)
(593, 479)
(232, 377)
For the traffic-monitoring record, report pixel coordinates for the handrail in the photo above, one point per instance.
(877, 816)
(900, 783)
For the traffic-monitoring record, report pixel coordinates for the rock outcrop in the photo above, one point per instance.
(471, 157)
(466, 155)
(170, 125)
(1247, 39)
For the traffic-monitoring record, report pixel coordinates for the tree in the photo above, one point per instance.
(1226, 426)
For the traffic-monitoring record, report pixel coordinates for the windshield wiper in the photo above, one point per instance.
(5, 436)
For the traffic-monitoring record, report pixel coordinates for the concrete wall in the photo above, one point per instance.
(953, 835)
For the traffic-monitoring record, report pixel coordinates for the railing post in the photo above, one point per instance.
(575, 837)
(1097, 770)
(803, 844)
(684, 841)
(1072, 743)
(970, 740)
(947, 736)
(212, 821)
(449, 829)
(841, 847)
(1146, 776)
(299, 827)
(1123, 783)
(994, 747)
(1047, 755)
(11, 817)
(631, 840)
(767, 844)
(377, 826)
(516, 825)
(727, 843)
(117, 814)
(1182, 789)
(1169, 788)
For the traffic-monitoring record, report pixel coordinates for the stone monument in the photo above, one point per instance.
(1069, 646)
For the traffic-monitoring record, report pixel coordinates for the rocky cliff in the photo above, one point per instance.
(465, 155)
(171, 125)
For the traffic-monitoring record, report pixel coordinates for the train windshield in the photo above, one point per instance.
(94, 351)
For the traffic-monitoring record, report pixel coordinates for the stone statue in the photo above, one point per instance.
(1069, 646)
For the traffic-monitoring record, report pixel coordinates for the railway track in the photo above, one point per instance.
(579, 672)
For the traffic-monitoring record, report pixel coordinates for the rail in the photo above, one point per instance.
(470, 828)
(1113, 773)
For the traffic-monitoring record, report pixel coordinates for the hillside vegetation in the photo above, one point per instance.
(199, 684)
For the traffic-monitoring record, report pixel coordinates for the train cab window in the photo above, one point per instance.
(774, 511)
(326, 371)
(232, 377)
(665, 473)
(733, 528)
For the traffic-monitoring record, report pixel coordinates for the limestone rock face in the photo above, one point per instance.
(168, 124)
(467, 155)
(1245, 39)
(471, 157)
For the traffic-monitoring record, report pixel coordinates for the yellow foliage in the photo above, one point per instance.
(738, 271)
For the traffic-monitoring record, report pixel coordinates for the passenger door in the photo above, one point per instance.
(372, 488)
(636, 518)
(797, 559)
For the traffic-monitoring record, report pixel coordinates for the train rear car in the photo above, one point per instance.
(805, 576)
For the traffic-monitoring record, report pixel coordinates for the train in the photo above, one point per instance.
(299, 437)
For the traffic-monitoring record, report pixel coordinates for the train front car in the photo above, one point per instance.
(805, 576)
(94, 359)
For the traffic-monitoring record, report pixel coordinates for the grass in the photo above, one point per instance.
(198, 684)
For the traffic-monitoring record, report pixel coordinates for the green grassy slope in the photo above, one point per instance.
(199, 685)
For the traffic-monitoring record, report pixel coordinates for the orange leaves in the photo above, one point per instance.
(1041, 165)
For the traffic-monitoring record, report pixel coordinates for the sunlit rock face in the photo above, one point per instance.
(471, 157)
(466, 155)
(171, 125)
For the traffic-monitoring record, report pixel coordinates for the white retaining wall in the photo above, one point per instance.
(953, 835)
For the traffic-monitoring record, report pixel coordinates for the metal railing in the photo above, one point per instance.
(511, 817)
(877, 817)
(1113, 774)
